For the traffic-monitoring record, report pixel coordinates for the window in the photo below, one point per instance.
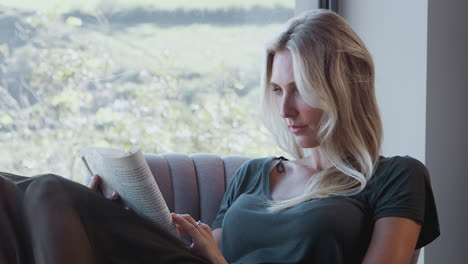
(176, 76)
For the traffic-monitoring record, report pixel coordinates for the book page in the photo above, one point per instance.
(129, 174)
(93, 159)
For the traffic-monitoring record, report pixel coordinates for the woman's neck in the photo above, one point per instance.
(316, 160)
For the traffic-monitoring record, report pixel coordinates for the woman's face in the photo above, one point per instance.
(302, 119)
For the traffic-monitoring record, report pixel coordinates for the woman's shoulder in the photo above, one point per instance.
(398, 168)
(258, 163)
(253, 167)
(250, 172)
(399, 163)
(399, 160)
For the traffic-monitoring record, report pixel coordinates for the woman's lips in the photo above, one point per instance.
(297, 129)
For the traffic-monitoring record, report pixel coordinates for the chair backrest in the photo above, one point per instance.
(193, 184)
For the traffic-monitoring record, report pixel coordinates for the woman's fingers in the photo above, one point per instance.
(204, 242)
(202, 227)
(187, 217)
(181, 230)
(114, 196)
(95, 182)
(188, 225)
(95, 185)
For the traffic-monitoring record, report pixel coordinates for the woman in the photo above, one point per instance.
(338, 201)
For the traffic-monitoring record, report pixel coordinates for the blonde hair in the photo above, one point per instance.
(333, 71)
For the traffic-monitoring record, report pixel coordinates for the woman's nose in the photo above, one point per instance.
(288, 108)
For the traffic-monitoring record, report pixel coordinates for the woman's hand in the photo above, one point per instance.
(96, 185)
(204, 242)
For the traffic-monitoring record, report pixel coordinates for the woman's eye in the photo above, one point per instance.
(278, 91)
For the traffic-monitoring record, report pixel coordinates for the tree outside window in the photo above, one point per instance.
(167, 76)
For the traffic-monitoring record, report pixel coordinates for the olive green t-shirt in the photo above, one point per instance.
(331, 230)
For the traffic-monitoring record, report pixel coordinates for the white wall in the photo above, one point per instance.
(420, 53)
(396, 36)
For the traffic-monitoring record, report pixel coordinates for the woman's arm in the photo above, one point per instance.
(217, 235)
(393, 241)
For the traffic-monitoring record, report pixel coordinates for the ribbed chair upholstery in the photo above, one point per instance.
(193, 184)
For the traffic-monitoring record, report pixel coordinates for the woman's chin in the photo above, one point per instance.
(304, 142)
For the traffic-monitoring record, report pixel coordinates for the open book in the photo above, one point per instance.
(128, 173)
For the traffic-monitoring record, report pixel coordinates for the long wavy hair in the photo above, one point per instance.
(333, 71)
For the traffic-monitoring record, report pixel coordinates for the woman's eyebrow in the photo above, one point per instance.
(293, 83)
(272, 84)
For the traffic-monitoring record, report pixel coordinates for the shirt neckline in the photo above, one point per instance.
(266, 177)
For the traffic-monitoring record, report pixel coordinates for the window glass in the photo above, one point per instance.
(166, 75)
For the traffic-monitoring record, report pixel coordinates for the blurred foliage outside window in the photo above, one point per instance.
(167, 76)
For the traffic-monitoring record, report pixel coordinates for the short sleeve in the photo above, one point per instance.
(233, 191)
(404, 190)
